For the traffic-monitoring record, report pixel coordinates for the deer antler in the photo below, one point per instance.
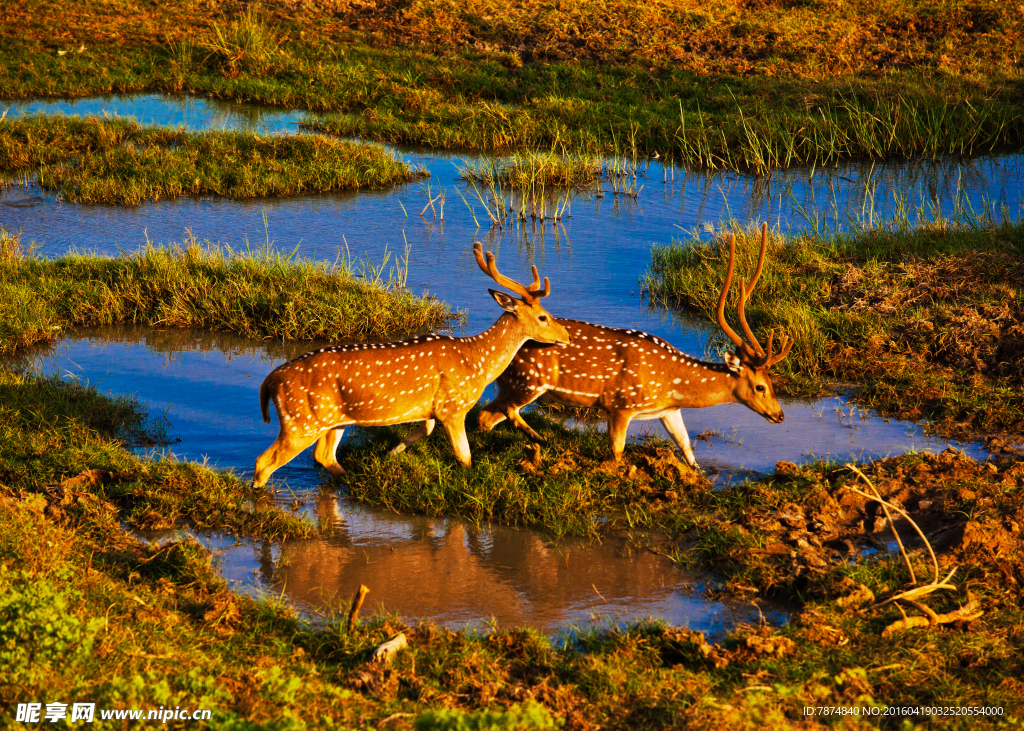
(752, 350)
(722, 322)
(745, 292)
(529, 294)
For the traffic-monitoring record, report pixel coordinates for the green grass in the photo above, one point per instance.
(65, 442)
(89, 611)
(533, 172)
(873, 89)
(257, 294)
(119, 161)
(923, 320)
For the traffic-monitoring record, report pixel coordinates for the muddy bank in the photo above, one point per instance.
(802, 530)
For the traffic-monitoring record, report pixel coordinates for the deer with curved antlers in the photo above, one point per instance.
(429, 378)
(629, 374)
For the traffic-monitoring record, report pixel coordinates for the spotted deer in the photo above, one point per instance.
(629, 374)
(428, 378)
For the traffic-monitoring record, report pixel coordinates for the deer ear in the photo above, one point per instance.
(733, 362)
(507, 302)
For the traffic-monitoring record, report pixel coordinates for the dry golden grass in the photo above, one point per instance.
(815, 38)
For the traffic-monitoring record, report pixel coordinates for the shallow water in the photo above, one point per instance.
(448, 570)
(167, 111)
(207, 385)
(457, 574)
(594, 259)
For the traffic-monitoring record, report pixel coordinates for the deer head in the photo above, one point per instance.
(750, 362)
(535, 322)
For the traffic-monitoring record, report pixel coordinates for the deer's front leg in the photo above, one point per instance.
(423, 430)
(618, 423)
(674, 425)
(455, 426)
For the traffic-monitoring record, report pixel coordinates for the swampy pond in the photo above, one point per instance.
(447, 570)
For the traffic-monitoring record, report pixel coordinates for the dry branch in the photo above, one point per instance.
(910, 596)
(357, 604)
(965, 613)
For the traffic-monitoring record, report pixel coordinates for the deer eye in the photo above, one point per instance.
(543, 318)
(759, 388)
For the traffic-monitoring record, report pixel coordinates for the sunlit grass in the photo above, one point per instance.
(922, 318)
(257, 294)
(872, 91)
(117, 161)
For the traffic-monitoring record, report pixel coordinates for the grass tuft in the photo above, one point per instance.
(121, 162)
(257, 294)
(247, 43)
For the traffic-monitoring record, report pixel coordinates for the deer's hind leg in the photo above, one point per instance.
(326, 452)
(281, 452)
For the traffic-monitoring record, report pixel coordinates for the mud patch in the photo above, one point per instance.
(970, 512)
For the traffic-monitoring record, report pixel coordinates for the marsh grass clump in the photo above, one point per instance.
(924, 321)
(247, 43)
(10, 246)
(257, 294)
(65, 442)
(530, 172)
(121, 162)
(45, 140)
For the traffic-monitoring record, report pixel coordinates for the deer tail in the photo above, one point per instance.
(265, 400)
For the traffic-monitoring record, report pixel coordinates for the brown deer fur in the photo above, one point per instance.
(629, 374)
(427, 379)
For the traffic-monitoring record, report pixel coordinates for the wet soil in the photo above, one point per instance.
(798, 532)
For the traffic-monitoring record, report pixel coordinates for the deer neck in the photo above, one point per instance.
(496, 346)
(697, 384)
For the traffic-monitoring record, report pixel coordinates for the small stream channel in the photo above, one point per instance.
(448, 570)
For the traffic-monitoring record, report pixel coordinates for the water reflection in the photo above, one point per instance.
(459, 574)
(168, 110)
